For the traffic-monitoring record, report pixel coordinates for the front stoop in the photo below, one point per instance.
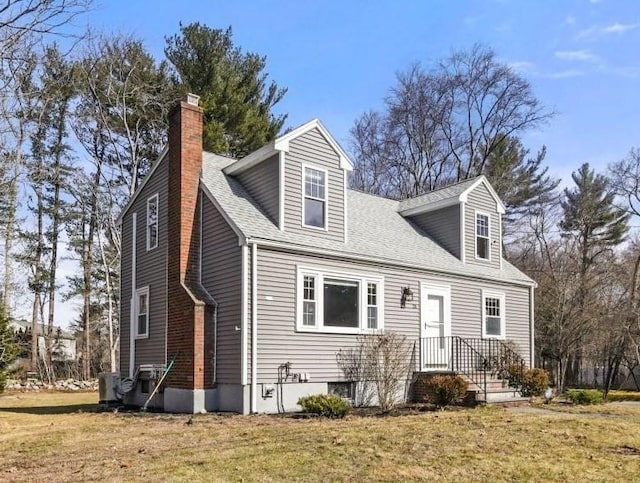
(498, 393)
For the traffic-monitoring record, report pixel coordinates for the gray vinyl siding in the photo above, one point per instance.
(315, 353)
(311, 149)
(151, 271)
(263, 184)
(221, 276)
(480, 199)
(443, 226)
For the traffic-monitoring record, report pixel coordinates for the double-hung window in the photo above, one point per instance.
(152, 222)
(315, 198)
(142, 312)
(493, 315)
(343, 303)
(483, 242)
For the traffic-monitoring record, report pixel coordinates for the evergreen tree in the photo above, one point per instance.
(522, 183)
(232, 85)
(591, 216)
(9, 348)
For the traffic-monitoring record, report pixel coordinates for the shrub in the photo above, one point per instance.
(530, 382)
(380, 363)
(327, 405)
(585, 396)
(446, 390)
(534, 382)
(515, 375)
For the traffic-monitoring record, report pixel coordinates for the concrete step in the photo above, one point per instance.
(495, 396)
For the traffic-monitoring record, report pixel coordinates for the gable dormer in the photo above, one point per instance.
(464, 218)
(299, 180)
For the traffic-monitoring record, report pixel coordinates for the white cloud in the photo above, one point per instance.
(564, 74)
(576, 55)
(599, 31)
(619, 28)
(522, 66)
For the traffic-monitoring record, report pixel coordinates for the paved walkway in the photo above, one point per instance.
(559, 412)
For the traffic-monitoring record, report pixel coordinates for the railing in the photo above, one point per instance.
(473, 358)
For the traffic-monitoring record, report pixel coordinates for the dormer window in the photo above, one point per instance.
(315, 198)
(482, 236)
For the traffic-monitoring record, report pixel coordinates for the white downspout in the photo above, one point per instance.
(132, 311)
(244, 317)
(532, 328)
(254, 327)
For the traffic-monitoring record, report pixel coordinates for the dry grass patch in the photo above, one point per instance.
(56, 436)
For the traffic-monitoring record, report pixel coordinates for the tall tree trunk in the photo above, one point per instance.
(109, 293)
(56, 215)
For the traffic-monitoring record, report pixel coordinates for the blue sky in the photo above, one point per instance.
(339, 58)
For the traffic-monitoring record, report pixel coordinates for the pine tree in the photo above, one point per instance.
(590, 215)
(9, 348)
(233, 88)
(596, 226)
(522, 183)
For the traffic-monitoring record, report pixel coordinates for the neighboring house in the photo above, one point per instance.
(64, 342)
(253, 273)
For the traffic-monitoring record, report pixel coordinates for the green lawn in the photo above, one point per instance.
(59, 437)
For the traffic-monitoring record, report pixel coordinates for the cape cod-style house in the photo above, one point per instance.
(243, 278)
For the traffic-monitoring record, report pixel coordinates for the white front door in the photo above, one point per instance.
(435, 315)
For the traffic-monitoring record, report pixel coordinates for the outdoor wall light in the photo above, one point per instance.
(407, 296)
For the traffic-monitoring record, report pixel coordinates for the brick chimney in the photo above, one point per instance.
(185, 310)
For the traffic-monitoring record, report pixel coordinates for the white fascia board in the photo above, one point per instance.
(141, 186)
(500, 208)
(251, 160)
(417, 210)
(282, 143)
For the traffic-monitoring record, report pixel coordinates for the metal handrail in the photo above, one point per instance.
(474, 358)
(454, 354)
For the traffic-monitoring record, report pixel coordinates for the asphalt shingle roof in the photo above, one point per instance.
(376, 229)
(445, 193)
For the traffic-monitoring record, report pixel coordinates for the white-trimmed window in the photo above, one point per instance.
(314, 211)
(483, 240)
(152, 222)
(493, 315)
(141, 318)
(372, 305)
(339, 302)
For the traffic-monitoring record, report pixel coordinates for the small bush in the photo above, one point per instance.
(585, 396)
(327, 405)
(530, 382)
(534, 382)
(446, 390)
